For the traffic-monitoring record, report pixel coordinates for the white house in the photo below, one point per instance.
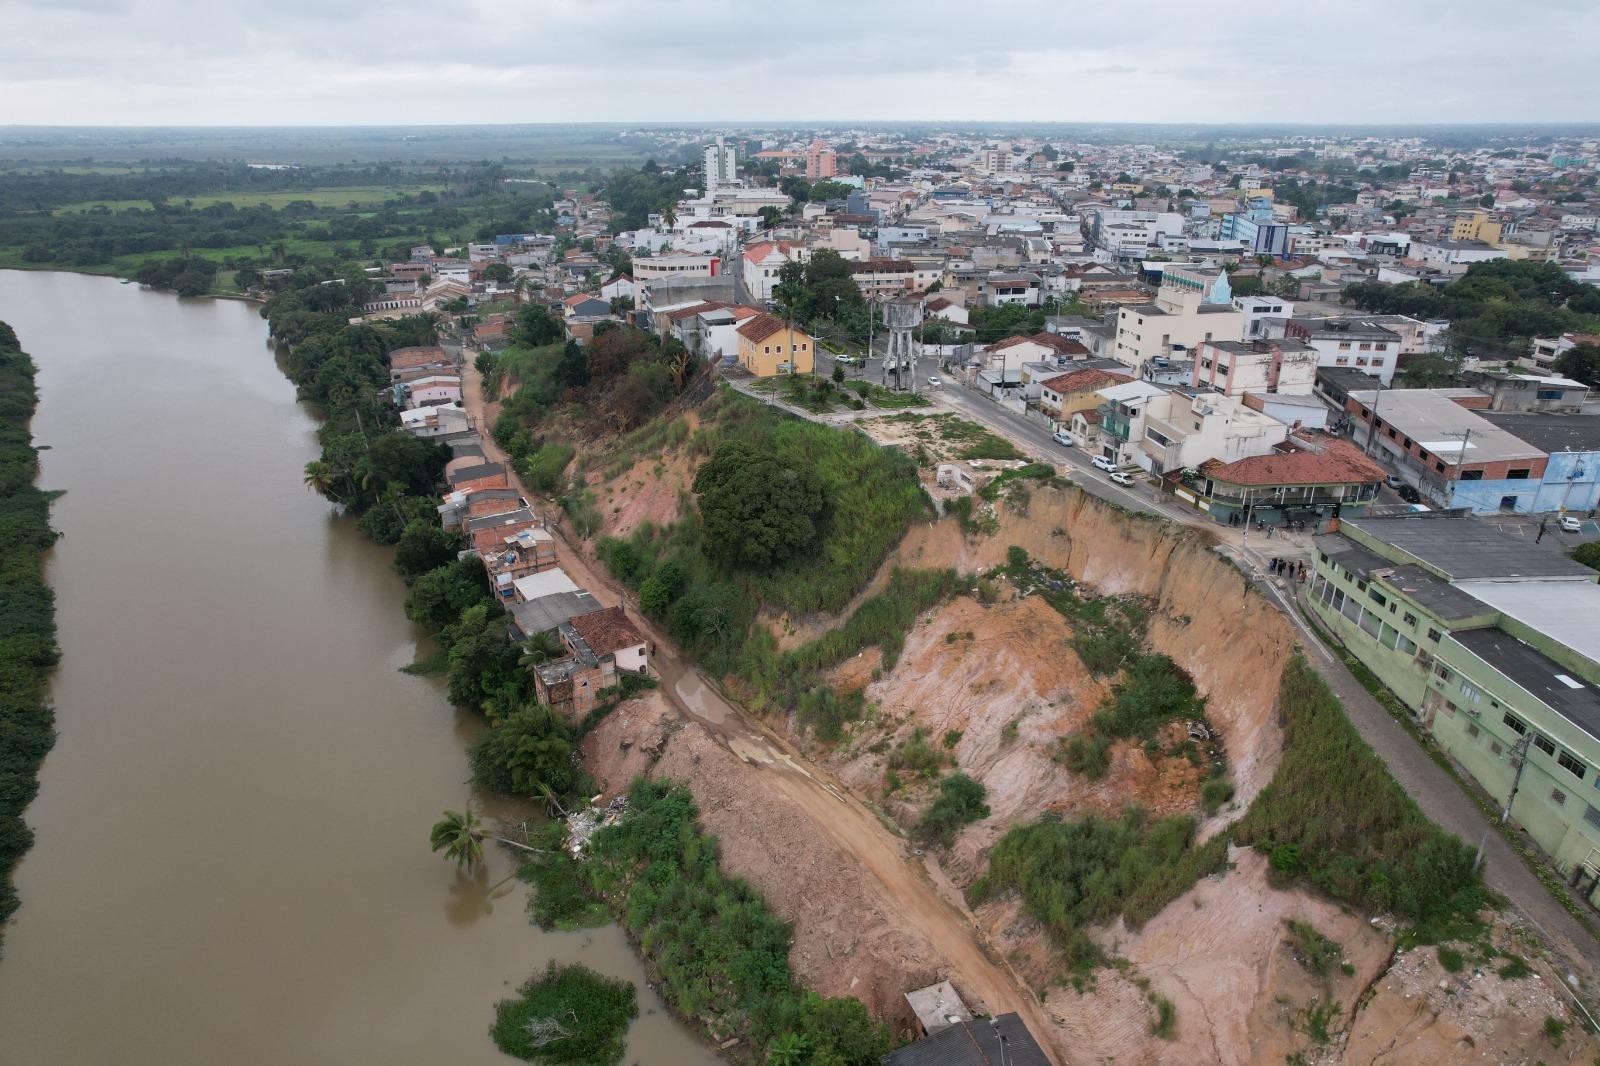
(764, 261)
(1182, 431)
(1193, 305)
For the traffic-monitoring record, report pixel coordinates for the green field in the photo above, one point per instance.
(331, 196)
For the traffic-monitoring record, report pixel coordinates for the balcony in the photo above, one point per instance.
(1115, 422)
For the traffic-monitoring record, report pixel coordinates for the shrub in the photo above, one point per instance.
(1555, 1030)
(1074, 874)
(569, 1015)
(960, 801)
(1333, 815)
(1214, 793)
(525, 753)
(825, 712)
(543, 469)
(1315, 951)
(1161, 1025)
(916, 755)
(1451, 959)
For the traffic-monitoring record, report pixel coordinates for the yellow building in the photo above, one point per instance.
(768, 347)
(1475, 226)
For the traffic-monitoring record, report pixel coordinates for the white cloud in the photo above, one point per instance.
(410, 61)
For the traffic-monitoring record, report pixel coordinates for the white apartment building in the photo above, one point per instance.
(656, 267)
(1192, 306)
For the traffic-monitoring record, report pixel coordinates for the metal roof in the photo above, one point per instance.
(1554, 685)
(975, 1043)
(1567, 612)
(1463, 548)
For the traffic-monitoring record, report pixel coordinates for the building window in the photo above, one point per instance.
(1433, 634)
(1378, 597)
(1472, 730)
(1515, 724)
(1571, 765)
(1496, 749)
(1470, 692)
(1518, 474)
(1544, 744)
(1409, 618)
(1344, 346)
(1591, 815)
(1558, 797)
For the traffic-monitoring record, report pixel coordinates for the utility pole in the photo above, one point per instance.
(1450, 482)
(1372, 423)
(1519, 759)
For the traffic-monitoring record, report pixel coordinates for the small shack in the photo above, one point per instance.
(937, 1007)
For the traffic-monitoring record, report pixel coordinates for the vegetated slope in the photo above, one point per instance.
(27, 614)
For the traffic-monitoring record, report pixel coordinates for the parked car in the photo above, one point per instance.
(934, 382)
(1393, 481)
(846, 360)
(1062, 437)
(1120, 478)
(1102, 463)
(1570, 524)
(1409, 494)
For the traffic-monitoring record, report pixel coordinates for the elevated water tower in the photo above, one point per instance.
(902, 317)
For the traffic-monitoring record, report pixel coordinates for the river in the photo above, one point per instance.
(231, 861)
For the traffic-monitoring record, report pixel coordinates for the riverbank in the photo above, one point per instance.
(120, 272)
(28, 648)
(230, 678)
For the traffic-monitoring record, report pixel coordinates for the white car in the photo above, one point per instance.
(934, 382)
(1120, 478)
(1570, 524)
(1062, 438)
(1102, 463)
(846, 360)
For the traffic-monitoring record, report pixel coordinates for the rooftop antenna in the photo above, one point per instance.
(994, 1023)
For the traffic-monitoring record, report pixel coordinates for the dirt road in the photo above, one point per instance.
(939, 917)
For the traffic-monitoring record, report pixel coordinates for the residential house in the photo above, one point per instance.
(516, 555)
(768, 346)
(1517, 390)
(763, 261)
(472, 472)
(404, 362)
(1355, 343)
(1122, 414)
(435, 421)
(1234, 368)
(545, 601)
(1493, 648)
(601, 647)
(1064, 395)
(1181, 431)
(461, 504)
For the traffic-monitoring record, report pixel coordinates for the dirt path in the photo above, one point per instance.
(856, 828)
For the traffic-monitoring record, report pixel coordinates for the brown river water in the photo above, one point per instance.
(231, 862)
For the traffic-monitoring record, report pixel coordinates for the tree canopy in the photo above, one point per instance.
(758, 512)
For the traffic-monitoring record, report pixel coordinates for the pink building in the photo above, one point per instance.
(821, 162)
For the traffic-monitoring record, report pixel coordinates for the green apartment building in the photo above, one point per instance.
(1494, 644)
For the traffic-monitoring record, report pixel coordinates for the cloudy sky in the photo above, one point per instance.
(426, 61)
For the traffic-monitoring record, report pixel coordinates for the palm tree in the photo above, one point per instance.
(460, 836)
(319, 476)
(539, 648)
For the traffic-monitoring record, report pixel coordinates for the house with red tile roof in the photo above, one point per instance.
(602, 647)
(1066, 394)
(768, 346)
(1308, 477)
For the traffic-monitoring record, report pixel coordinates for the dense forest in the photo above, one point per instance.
(27, 614)
(219, 217)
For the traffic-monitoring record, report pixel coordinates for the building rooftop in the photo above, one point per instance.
(1430, 417)
(1445, 600)
(607, 631)
(974, 1043)
(938, 1007)
(1538, 674)
(550, 611)
(1567, 612)
(1338, 463)
(1462, 548)
(1552, 433)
